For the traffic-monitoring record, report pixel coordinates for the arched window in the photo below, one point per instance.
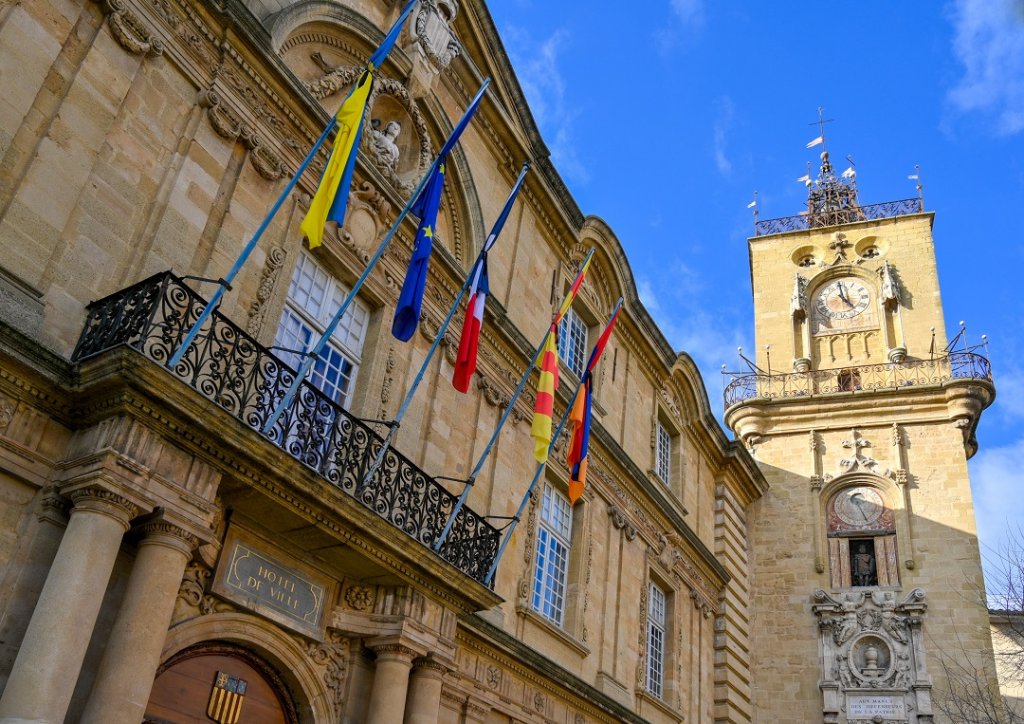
(861, 538)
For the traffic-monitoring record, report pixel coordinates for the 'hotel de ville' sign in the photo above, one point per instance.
(271, 584)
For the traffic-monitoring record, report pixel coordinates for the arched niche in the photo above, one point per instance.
(859, 517)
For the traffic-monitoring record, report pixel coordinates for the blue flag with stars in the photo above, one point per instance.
(407, 314)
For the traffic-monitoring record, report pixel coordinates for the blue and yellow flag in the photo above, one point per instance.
(331, 198)
(410, 301)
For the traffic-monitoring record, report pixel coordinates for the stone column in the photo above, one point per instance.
(424, 702)
(390, 683)
(50, 659)
(125, 675)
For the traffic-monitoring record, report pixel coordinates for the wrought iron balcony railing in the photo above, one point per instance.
(802, 222)
(953, 366)
(227, 366)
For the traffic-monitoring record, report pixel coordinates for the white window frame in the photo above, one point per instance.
(554, 546)
(572, 342)
(313, 298)
(662, 452)
(657, 603)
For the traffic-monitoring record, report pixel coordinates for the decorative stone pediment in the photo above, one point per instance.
(872, 657)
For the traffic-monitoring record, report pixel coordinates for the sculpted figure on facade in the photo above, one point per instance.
(382, 142)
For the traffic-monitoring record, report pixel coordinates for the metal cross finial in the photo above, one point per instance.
(821, 124)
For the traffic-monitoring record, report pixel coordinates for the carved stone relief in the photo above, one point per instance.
(431, 28)
(859, 459)
(397, 141)
(129, 31)
(872, 653)
(265, 290)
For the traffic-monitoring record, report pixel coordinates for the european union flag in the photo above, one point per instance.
(410, 301)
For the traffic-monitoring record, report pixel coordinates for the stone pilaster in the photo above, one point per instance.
(50, 660)
(390, 683)
(125, 675)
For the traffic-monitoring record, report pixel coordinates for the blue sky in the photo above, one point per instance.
(664, 116)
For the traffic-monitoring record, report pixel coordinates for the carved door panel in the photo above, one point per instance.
(219, 683)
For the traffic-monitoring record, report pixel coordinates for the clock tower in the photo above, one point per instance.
(866, 574)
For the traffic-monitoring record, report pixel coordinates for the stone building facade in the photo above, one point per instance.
(164, 559)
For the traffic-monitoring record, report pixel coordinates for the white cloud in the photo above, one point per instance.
(537, 68)
(688, 17)
(989, 43)
(997, 480)
(678, 301)
(723, 123)
(689, 12)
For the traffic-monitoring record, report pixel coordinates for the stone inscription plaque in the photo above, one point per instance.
(263, 582)
(867, 707)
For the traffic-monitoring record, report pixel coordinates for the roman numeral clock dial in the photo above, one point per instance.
(840, 303)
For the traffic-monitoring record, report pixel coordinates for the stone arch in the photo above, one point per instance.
(288, 655)
(461, 221)
(346, 28)
(877, 523)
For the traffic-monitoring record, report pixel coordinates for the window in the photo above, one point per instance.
(572, 342)
(313, 298)
(662, 453)
(656, 641)
(553, 543)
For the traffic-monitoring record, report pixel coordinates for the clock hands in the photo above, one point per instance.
(842, 295)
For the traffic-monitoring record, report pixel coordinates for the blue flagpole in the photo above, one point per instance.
(225, 283)
(540, 466)
(376, 60)
(497, 431)
(529, 491)
(396, 423)
(313, 355)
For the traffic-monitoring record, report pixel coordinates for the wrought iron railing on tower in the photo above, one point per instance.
(859, 378)
(228, 367)
(835, 217)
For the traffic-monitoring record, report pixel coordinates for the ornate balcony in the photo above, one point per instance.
(228, 367)
(952, 366)
(830, 216)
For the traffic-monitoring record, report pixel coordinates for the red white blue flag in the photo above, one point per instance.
(465, 362)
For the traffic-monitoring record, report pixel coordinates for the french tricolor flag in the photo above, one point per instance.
(465, 362)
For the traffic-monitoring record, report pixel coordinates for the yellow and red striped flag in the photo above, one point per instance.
(544, 407)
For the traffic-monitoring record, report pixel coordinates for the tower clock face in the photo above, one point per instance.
(843, 299)
(859, 507)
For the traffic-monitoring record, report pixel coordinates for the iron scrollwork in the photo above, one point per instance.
(229, 367)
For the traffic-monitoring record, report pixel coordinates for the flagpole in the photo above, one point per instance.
(529, 492)
(501, 423)
(551, 446)
(396, 423)
(224, 284)
(313, 355)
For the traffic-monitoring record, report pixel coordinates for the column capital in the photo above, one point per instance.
(54, 507)
(431, 667)
(99, 500)
(162, 532)
(393, 651)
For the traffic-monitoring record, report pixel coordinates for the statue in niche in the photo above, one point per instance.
(862, 566)
(382, 143)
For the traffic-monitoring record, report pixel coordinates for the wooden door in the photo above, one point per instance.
(184, 686)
